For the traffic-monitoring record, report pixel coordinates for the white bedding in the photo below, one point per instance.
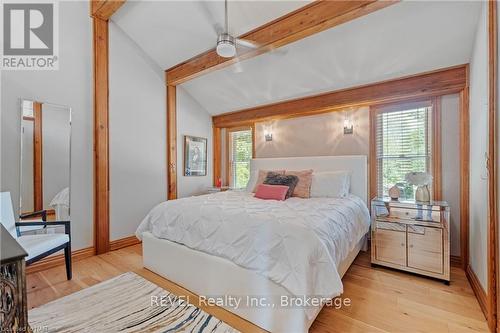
(61, 198)
(296, 243)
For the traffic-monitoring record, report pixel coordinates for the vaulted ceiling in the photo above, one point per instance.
(407, 38)
(174, 31)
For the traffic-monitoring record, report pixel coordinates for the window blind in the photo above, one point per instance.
(241, 154)
(403, 144)
(27, 109)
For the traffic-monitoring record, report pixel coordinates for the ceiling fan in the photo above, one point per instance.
(226, 43)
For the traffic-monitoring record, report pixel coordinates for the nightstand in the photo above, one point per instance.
(217, 189)
(411, 236)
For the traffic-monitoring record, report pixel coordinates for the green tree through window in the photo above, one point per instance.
(403, 144)
(241, 154)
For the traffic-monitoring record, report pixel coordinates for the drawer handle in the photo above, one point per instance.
(416, 230)
(402, 244)
(411, 245)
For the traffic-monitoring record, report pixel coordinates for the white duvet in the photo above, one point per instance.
(297, 243)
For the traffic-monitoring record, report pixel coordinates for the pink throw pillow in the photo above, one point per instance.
(271, 192)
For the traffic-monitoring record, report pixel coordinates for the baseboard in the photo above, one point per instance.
(57, 260)
(478, 290)
(123, 242)
(456, 261)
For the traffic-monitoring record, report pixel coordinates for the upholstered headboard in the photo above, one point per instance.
(356, 164)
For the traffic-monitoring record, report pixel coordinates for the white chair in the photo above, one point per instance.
(37, 246)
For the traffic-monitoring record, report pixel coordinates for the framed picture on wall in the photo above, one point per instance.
(195, 156)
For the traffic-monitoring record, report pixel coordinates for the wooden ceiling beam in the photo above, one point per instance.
(104, 9)
(306, 21)
(443, 81)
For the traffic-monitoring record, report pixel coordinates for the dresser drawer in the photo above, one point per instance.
(427, 214)
(390, 226)
(391, 246)
(425, 248)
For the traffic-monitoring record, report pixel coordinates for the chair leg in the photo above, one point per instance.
(67, 259)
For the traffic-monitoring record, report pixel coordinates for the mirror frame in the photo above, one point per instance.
(21, 117)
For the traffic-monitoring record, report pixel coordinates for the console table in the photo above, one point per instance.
(13, 304)
(412, 236)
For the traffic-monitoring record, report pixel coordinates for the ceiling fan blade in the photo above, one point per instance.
(218, 29)
(237, 67)
(247, 43)
(216, 26)
(252, 45)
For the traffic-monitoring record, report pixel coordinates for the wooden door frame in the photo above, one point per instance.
(217, 154)
(171, 142)
(37, 157)
(492, 166)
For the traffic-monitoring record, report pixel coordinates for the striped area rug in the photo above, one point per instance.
(123, 304)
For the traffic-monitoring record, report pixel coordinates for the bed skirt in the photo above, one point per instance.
(208, 275)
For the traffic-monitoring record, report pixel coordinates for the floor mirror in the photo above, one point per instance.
(45, 188)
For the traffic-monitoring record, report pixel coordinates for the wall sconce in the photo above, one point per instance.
(268, 132)
(348, 126)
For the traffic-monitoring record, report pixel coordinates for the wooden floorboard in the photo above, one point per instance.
(383, 300)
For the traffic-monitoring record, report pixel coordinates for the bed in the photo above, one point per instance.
(261, 251)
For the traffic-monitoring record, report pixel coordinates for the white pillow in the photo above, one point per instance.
(252, 180)
(330, 184)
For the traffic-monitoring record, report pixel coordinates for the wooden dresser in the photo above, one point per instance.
(411, 236)
(13, 305)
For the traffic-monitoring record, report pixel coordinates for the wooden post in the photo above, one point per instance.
(101, 137)
(37, 157)
(172, 142)
(101, 11)
(216, 137)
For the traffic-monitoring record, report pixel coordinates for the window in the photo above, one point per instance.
(27, 109)
(240, 152)
(403, 143)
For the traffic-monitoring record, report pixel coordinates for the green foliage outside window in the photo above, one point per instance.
(241, 156)
(402, 147)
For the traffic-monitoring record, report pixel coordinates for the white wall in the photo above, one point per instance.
(194, 120)
(56, 133)
(450, 159)
(137, 134)
(315, 136)
(70, 85)
(478, 106)
(27, 189)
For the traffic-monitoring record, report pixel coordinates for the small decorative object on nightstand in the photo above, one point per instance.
(394, 192)
(411, 236)
(422, 180)
(217, 189)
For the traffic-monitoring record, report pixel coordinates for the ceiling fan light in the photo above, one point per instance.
(226, 50)
(225, 46)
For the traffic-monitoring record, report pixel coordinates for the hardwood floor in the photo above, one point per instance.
(383, 300)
